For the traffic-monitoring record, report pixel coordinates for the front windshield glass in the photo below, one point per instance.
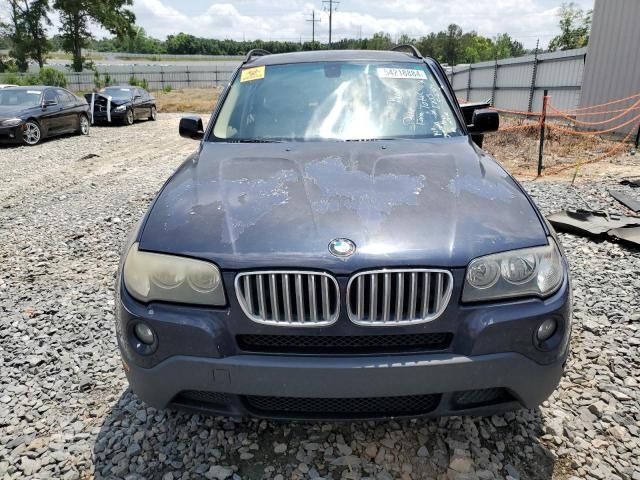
(335, 101)
(13, 97)
(119, 93)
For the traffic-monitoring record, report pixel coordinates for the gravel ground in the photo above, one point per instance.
(66, 412)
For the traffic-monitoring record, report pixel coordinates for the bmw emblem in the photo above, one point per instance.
(342, 247)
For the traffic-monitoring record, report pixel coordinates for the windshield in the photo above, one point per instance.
(335, 101)
(119, 93)
(13, 97)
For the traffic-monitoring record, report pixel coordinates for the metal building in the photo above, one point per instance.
(612, 69)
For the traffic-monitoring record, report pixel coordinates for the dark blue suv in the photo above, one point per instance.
(339, 247)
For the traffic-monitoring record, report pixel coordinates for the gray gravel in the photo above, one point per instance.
(66, 411)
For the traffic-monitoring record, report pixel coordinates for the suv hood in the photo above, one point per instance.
(437, 203)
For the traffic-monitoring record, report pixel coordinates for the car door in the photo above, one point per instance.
(68, 116)
(138, 103)
(51, 112)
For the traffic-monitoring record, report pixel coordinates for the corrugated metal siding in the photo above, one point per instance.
(613, 64)
(561, 72)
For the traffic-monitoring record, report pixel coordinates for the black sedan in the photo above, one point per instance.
(29, 114)
(340, 247)
(123, 104)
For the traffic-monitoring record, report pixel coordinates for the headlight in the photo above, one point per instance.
(11, 122)
(154, 276)
(534, 271)
(120, 108)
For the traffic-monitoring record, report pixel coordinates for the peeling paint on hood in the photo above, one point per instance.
(434, 203)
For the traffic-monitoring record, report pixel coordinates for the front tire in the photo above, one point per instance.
(31, 133)
(154, 114)
(83, 125)
(128, 118)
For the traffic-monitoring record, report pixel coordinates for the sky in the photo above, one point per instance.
(524, 20)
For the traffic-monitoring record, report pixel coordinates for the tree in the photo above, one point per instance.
(76, 15)
(17, 35)
(452, 44)
(35, 17)
(27, 31)
(575, 26)
(506, 47)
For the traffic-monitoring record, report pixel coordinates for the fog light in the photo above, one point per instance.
(546, 329)
(144, 333)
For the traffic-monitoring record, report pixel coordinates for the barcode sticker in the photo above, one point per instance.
(408, 73)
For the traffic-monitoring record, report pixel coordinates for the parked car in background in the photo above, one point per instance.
(6, 85)
(123, 104)
(29, 114)
(340, 247)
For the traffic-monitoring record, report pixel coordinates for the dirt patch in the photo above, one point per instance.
(193, 100)
(517, 150)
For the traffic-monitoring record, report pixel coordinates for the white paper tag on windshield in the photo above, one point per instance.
(409, 73)
(34, 92)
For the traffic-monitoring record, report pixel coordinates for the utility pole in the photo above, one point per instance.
(313, 21)
(331, 8)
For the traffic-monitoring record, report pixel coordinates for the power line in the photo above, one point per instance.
(313, 21)
(331, 4)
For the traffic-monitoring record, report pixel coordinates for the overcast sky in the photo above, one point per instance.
(525, 20)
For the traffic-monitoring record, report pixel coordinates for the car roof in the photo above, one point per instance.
(32, 87)
(333, 56)
(127, 87)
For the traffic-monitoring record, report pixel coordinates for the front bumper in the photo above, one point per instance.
(198, 353)
(241, 378)
(102, 117)
(11, 134)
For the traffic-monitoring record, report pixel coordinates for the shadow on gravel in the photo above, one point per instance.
(138, 442)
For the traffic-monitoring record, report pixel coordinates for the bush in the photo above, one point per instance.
(134, 82)
(167, 88)
(51, 76)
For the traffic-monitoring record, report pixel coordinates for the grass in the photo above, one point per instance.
(68, 56)
(194, 100)
(177, 58)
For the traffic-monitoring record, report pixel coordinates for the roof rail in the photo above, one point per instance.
(416, 53)
(256, 52)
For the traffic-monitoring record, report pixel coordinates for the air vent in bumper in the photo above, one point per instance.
(344, 345)
(343, 407)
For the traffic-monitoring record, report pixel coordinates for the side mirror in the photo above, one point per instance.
(137, 97)
(191, 127)
(484, 121)
(50, 103)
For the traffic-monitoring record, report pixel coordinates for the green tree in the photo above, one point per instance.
(76, 15)
(16, 31)
(575, 26)
(506, 47)
(35, 15)
(26, 31)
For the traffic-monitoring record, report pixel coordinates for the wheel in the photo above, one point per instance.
(154, 114)
(31, 133)
(83, 125)
(128, 119)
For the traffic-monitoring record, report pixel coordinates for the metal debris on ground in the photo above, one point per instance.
(626, 200)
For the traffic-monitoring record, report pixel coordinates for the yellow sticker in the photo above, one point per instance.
(250, 74)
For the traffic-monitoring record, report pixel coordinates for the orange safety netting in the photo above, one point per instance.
(592, 133)
(635, 106)
(613, 102)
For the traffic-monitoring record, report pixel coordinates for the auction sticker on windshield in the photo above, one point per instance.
(402, 73)
(250, 74)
